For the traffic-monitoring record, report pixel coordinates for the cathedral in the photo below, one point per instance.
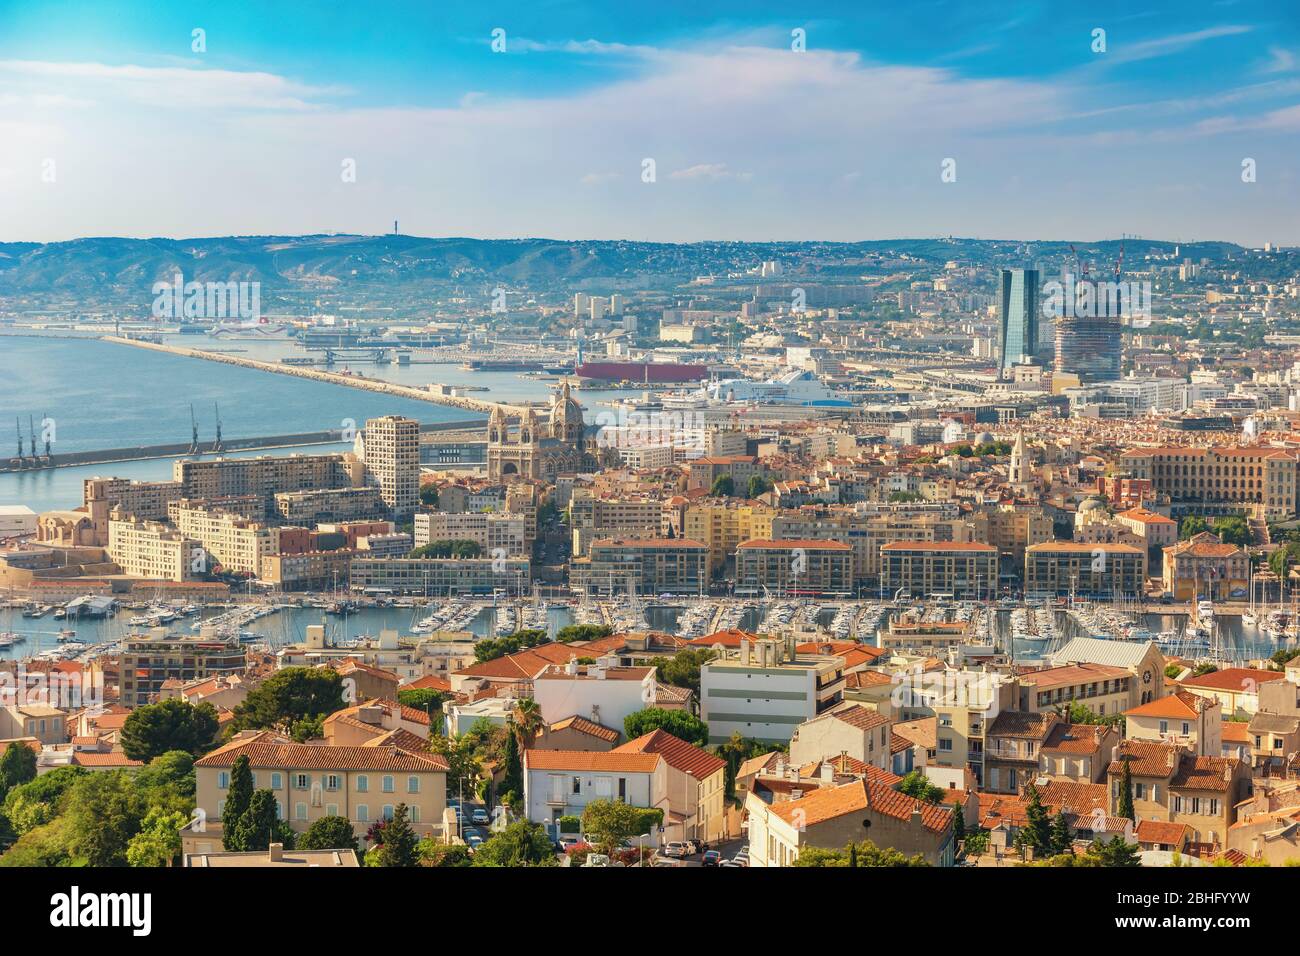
(520, 442)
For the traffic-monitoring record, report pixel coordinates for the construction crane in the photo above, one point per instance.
(216, 446)
(31, 428)
(1119, 263)
(194, 432)
(45, 431)
(1080, 269)
(19, 429)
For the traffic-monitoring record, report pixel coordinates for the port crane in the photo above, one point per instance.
(216, 446)
(194, 432)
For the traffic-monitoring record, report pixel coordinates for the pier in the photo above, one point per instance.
(186, 449)
(334, 378)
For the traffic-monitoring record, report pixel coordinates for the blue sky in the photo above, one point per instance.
(110, 124)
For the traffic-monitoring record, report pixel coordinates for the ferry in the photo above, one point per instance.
(792, 387)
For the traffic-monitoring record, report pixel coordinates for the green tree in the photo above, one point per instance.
(158, 843)
(512, 780)
(173, 724)
(449, 548)
(238, 796)
(526, 722)
(1060, 839)
(422, 698)
(445, 854)
(328, 833)
(520, 844)
(583, 632)
(1116, 852)
(865, 853)
(492, 648)
(400, 844)
(260, 825)
(1125, 809)
(680, 724)
(607, 823)
(104, 811)
(1077, 713)
(1037, 831)
(1190, 526)
(291, 695)
(758, 485)
(17, 767)
(464, 765)
(429, 496)
(724, 486)
(918, 786)
(735, 751)
(683, 668)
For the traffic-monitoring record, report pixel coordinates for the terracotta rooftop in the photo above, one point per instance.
(679, 754)
(828, 803)
(596, 760)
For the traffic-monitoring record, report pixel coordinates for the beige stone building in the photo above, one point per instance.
(360, 783)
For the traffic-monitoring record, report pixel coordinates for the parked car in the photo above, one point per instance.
(473, 841)
(711, 858)
(480, 816)
(730, 863)
(596, 859)
(675, 849)
(692, 847)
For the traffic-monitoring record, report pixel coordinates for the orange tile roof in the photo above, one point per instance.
(1075, 738)
(1072, 674)
(1245, 679)
(597, 760)
(584, 726)
(1179, 705)
(679, 754)
(87, 759)
(268, 751)
(1162, 832)
(765, 544)
(939, 546)
(828, 803)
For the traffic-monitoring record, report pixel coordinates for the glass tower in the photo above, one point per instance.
(1019, 328)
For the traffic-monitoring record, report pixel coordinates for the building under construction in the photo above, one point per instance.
(1090, 348)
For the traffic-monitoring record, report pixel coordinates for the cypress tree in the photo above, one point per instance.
(1061, 841)
(238, 796)
(400, 841)
(1126, 791)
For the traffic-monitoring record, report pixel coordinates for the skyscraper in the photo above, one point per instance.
(392, 450)
(1090, 347)
(1019, 327)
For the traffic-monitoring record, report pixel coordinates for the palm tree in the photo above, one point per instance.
(526, 721)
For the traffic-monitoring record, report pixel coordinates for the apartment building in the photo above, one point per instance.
(1181, 718)
(1203, 566)
(850, 730)
(233, 543)
(641, 566)
(696, 786)
(1103, 689)
(392, 456)
(835, 816)
(308, 570)
(494, 532)
(965, 571)
(265, 475)
(561, 783)
(722, 524)
(149, 660)
(764, 690)
(1011, 529)
(363, 784)
(740, 468)
(1273, 733)
(1172, 785)
(592, 518)
(964, 705)
(796, 566)
(151, 549)
(1096, 570)
(329, 504)
(1258, 479)
(866, 531)
(441, 577)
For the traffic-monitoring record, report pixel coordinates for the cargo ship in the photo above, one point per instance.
(643, 373)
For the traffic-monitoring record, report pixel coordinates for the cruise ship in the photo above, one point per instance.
(791, 387)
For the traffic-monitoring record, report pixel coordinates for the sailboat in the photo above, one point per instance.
(1248, 618)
